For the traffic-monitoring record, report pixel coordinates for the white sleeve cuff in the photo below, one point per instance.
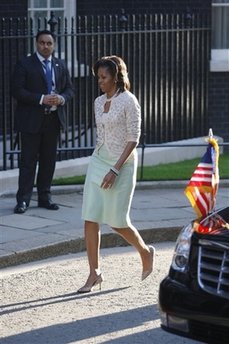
(41, 100)
(62, 100)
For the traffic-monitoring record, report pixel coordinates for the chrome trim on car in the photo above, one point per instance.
(213, 243)
(213, 267)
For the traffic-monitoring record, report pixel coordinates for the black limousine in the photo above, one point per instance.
(194, 297)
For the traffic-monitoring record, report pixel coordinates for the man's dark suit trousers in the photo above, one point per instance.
(38, 148)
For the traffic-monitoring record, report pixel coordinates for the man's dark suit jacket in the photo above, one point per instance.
(29, 84)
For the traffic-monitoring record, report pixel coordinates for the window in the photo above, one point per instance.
(61, 8)
(220, 36)
(42, 9)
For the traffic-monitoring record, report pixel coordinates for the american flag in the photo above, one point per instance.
(203, 185)
(211, 225)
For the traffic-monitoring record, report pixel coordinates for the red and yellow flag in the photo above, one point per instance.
(203, 185)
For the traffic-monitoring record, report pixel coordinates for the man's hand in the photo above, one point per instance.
(52, 99)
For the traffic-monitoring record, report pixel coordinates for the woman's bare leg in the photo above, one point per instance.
(132, 236)
(92, 240)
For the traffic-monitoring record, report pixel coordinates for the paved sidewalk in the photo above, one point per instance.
(159, 210)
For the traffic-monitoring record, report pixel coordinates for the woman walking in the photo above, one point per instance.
(111, 175)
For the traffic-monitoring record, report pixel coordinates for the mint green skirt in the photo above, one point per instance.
(110, 206)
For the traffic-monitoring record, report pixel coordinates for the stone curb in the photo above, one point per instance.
(77, 245)
(170, 184)
(107, 240)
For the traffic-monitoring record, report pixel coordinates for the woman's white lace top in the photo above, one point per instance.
(120, 125)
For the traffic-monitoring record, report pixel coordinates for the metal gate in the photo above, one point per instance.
(168, 63)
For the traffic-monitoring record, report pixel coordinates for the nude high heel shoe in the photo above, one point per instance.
(87, 288)
(152, 256)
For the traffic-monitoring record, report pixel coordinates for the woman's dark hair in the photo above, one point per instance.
(45, 32)
(117, 68)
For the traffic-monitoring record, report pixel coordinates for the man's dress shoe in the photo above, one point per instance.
(48, 205)
(20, 208)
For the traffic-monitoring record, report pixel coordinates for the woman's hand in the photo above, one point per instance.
(108, 180)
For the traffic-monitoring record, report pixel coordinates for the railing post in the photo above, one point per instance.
(123, 20)
(188, 18)
(142, 157)
(52, 22)
(122, 23)
(3, 94)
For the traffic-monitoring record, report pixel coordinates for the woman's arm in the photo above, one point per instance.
(110, 177)
(133, 123)
(125, 154)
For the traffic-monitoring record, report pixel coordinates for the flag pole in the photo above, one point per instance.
(203, 185)
(210, 133)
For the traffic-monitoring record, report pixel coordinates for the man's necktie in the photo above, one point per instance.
(48, 74)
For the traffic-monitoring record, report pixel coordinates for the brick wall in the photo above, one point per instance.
(141, 6)
(13, 8)
(219, 104)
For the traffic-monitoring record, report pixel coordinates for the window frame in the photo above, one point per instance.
(219, 57)
(69, 9)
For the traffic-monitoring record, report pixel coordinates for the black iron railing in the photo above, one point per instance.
(167, 58)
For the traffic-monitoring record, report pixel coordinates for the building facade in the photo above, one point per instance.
(218, 85)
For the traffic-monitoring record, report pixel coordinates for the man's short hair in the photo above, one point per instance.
(45, 32)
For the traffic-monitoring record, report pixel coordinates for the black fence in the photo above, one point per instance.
(168, 63)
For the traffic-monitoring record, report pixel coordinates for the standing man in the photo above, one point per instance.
(42, 86)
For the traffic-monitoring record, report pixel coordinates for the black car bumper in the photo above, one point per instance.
(194, 314)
